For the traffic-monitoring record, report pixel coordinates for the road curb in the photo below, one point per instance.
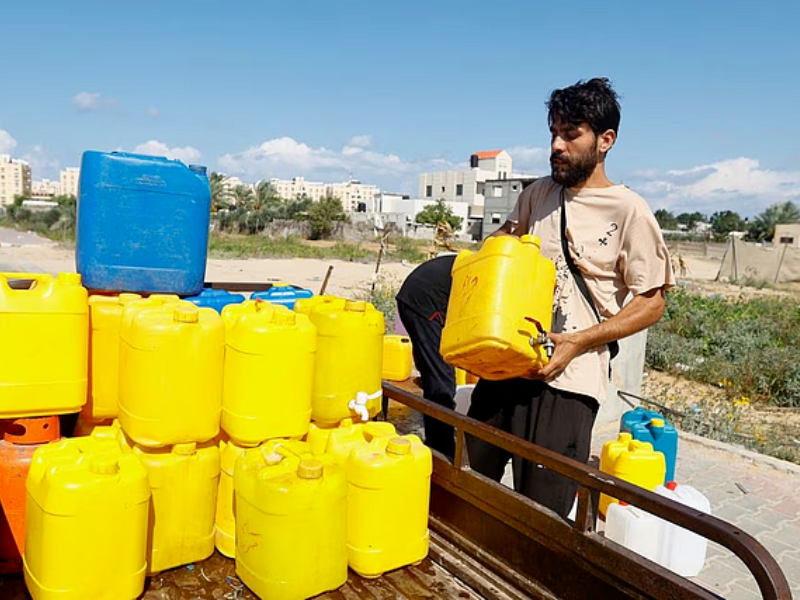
(756, 457)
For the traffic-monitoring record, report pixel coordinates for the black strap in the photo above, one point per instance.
(613, 346)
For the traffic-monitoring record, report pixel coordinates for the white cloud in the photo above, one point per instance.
(285, 157)
(533, 161)
(7, 143)
(153, 113)
(187, 154)
(738, 184)
(91, 102)
(42, 164)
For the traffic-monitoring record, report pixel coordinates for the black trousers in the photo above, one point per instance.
(438, 378)
(557, 420)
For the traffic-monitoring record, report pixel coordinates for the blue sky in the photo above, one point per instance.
(386, 90)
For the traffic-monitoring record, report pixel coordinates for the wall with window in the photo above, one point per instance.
(501, 196)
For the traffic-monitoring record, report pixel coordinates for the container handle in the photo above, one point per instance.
(37, 280)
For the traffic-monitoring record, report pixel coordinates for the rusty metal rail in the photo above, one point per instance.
(546, 557)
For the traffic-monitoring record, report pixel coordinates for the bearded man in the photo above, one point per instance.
(613, 269)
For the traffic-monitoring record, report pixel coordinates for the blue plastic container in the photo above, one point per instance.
(649, 426)
(216, 299)
(142, 224)
(283, 293)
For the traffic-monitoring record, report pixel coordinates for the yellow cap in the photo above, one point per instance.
(355, 306)
(625, 436)
(186, 449)
(281, 284)
(398, 445)
(310, 468)
(531, 239)
(186, 314)
(69, 278)
(105, 465)
(656, 422)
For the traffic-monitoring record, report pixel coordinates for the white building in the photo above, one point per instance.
(70, 178)
(411, 207)
(15, 179)
(45, 188)
(468, 185)
(351, 193)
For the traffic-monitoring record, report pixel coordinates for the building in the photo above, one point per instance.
(45, 188)
(411, 207)
(15, 179)
(788, 234)
(500, 197)
(70, 178)
(352, 193)
(467, 185)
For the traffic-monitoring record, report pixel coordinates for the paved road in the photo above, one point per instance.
(21, 238)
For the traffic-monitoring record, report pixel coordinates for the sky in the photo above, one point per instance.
(382, 91)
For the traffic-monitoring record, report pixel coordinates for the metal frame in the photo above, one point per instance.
(540, 555)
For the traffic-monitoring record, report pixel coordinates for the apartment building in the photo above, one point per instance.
(467, 185)
(499, 200)
(70, 178)
(15, 179)
(45, 188)
(352, 193)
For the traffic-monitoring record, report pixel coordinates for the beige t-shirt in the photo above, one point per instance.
(615, 241)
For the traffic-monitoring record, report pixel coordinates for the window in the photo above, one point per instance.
(459, 189)
(514, 187)
(428, 191)
(443, 189)
(497, 191)
(495, 218)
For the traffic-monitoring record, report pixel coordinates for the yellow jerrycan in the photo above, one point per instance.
(225, 524)
(633, 461)
(184, 480)
(398, 360)
(307, 305)
(291, 527)
(44, 344)
(501, 302)
(339, 442)
(347, 377)
(105, 316)
(268, 372)
(389, 483)
(86, 522)
(170, 389)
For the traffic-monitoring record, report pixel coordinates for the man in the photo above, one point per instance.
(616, 247)
(422, 306)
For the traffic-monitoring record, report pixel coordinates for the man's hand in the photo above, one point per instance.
(567, 347)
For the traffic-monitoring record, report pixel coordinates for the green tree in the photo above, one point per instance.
(220, 198)
(323, 216)
(690, 220)
(666, 220)
(433, 214)
(243, 197)
(725, 221)
(763, 226)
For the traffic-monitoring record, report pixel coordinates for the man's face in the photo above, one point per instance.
(573, 153)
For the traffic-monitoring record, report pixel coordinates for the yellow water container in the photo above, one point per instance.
(105, 316)
(307, 305)
(338, 442)
(291, 527)
(398, 360)
(464, 378)
(86, 522)
(633, 461)
(44, 344)
(184, 480)
(170, 389)
(268, 372)
(225, 524)
(498, 295)
(389, 483)
(347, 377)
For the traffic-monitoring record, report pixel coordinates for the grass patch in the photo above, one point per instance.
(259, 246)
(747, 347)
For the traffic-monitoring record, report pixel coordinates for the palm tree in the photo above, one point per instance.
(220, 198)
(763, 226)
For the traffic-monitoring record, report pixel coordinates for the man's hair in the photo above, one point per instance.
(594, 102)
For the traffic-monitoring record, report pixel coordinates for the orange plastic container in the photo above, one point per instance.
(398, 360)
(44, 344)
(20, 439)
(170, 386)
(105, 316)
(633, 461)
(347, 376)
(498, 296)
(268, 372)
